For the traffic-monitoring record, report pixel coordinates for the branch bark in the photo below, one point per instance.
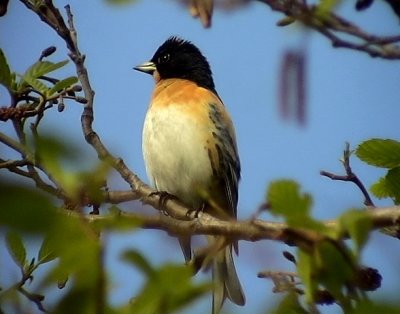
(247, 230)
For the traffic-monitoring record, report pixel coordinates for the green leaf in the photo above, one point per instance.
(53, 153)
(46, 251)
(315, 268)
(328, 256)
(168, 289)
(393, 183)
(78, 300)
(325, 7)
(43, 67)
(290, 305)
(358, 224)
(60, 85)
(285, 199)
(366, 306)
(38, 69)
(78, 250)
(16, 248)
(383, 153)
(380, 189)
(305, 269)
(94, 180)
(36, 84)
(388, 186)
(25, 209)
(136, 259)
(5, 73)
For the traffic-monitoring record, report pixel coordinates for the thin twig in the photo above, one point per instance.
(13, 163)
(5, 139)
(341, 32)
(35, 298)
(350, 176)
(41, 184)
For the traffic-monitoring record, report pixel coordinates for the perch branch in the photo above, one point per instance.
(247, 230)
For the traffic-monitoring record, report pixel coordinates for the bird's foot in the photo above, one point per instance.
(163, 198)
(195, 212)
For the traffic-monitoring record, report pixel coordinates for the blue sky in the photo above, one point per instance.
(351, 97)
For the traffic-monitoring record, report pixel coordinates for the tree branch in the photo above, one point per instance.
(336, 29)
(247, 230)
(11, 143)
(339, 31)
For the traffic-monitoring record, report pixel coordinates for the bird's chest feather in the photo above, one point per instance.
(176, 151)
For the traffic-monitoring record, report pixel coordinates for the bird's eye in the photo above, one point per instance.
(164, 58)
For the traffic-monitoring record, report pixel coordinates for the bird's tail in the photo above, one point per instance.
(225, 280)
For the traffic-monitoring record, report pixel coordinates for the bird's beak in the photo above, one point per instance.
(147, 67)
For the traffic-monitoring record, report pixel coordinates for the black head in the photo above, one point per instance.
(178, 58)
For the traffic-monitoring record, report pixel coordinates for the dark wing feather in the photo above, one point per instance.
(228, 169)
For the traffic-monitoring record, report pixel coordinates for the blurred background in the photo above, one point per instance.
(350, 97)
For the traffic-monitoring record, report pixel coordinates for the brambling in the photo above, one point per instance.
(189, 149)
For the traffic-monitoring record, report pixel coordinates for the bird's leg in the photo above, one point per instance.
(163, 198)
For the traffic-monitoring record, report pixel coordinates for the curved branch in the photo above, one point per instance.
(339, 31)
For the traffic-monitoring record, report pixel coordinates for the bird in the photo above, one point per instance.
(190, 150)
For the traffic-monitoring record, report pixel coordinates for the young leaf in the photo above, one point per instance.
(388, 186)
(285, 199)
(36, 84)
(139, 261)
(60, 85)
(77, 300)
(358, 224)
(325, 7)
(305, 269)
(393, 183)
(5, 73)
(383, 153)
(367, 306)
(42, 67)
(31, 212)
(38, 69)
(46, 252)
(327, 257)
(170, 288)
(290, 304)
(16, 248)
(380, 189)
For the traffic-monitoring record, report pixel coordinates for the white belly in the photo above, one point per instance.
(176, 155)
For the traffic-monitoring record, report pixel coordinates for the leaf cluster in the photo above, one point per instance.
(35, 91)
(328, 267)
(383, 153)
